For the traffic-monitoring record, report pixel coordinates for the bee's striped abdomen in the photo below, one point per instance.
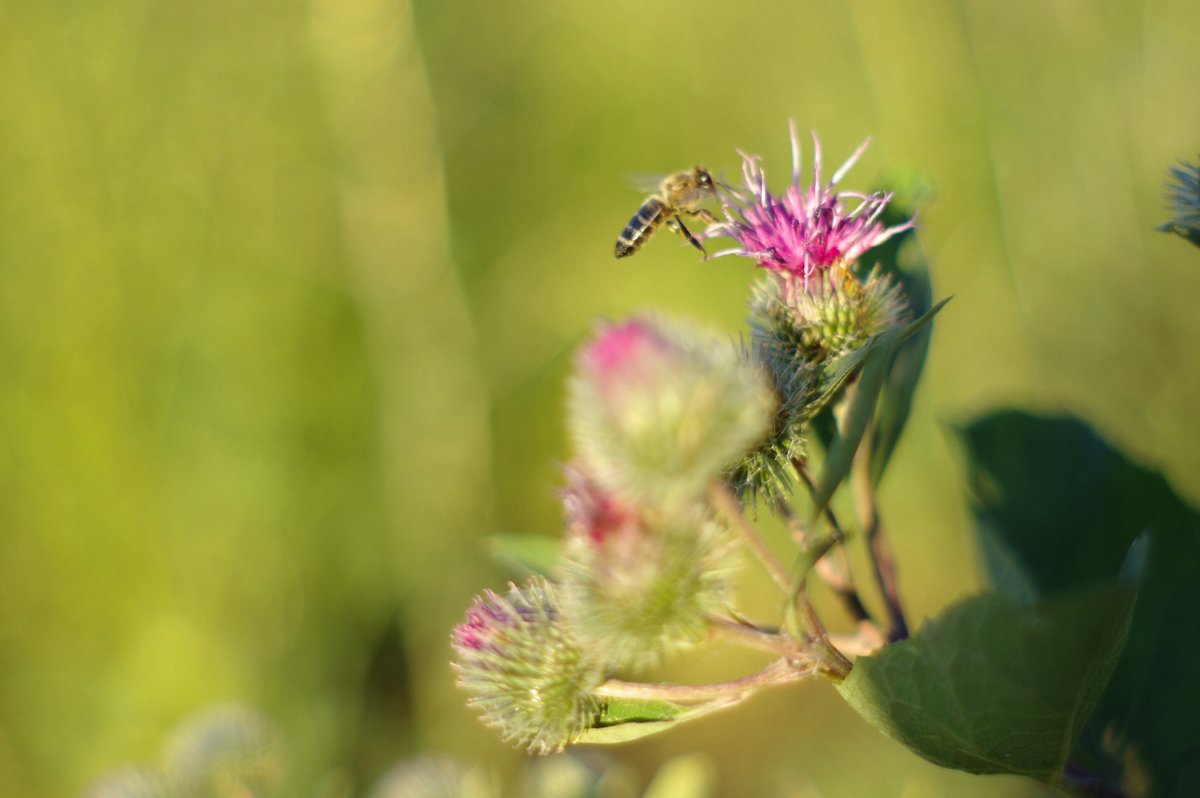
(640, 227)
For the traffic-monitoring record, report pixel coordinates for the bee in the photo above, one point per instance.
(680, 193)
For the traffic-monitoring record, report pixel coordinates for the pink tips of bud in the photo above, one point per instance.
(596, 515)
(625, 350)
(657, 409)
(527, 675)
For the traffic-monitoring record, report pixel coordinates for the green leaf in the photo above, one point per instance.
(626, 719)
(523, 555)
(840, 454)
(903, 259)
(1153, 701)
(637, 710)
(993, 685)
(1057, 507)
(623, 733)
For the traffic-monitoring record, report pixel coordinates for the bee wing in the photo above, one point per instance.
(646, 182)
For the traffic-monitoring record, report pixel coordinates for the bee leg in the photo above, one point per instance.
(676, 224)
(705, 215)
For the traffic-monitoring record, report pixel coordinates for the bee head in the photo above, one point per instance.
(704, 180)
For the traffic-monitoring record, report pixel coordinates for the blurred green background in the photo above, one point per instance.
(289, 291)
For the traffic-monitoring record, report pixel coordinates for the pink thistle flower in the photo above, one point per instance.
(805, 232)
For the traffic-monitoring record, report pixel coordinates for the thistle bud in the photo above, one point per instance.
(657, 410)
(831, 318)
(638, 582)
(527, 675)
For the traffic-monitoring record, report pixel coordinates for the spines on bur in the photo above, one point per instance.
(639, 581)
(528, 676)
(658, 410)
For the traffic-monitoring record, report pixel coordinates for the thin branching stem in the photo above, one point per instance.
(837, 576)
(779, 672)
(724, 500)
(833, 662)
(883, 564)
(753, 636)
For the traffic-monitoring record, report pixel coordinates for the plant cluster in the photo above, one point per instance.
(1075, 668)
(677, 433)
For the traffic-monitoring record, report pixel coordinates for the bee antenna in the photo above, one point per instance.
(722, 184)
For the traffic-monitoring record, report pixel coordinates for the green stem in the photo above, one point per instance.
(883, 564)
(755, 637)
(837, 577)
(801, 613)
(724, 500)
(779, 672)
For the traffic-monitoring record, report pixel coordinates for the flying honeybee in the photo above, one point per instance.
(680, 193)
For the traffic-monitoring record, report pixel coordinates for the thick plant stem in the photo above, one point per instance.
(832, 662)
(801, 617)
(883, 564)
(724, 500)
(753, 637)
(779, 672)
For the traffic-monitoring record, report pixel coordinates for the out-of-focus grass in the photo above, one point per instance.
(289, 291)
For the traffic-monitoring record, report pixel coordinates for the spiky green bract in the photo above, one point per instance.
(638, 581)
(658, 409)
(526, 673)
(1183, 194)
(807, 338)
(835, 316)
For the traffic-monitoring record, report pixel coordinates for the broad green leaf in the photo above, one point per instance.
(523, 555)
(1057, 507)
(1152, 704)
(993, 685)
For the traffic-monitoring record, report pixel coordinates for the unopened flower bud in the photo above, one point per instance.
(527, 675)
(822, 324)
(657, 409)
(638, 582)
